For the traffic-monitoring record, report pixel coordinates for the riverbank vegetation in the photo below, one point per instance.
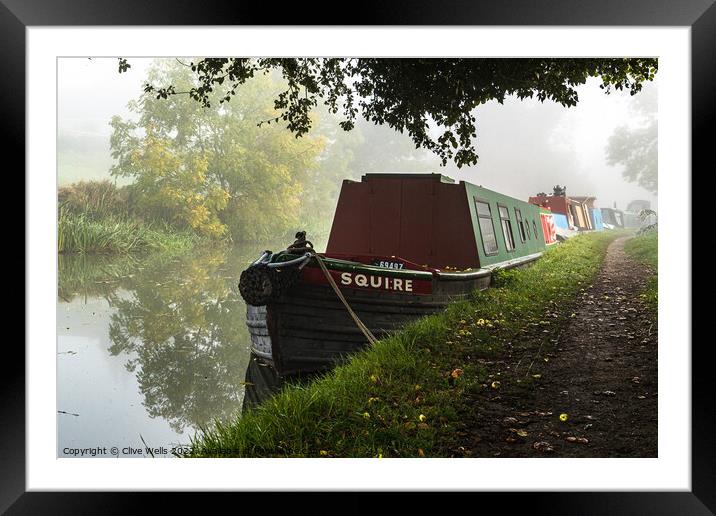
(645, 248)
(195, 174)
(98, 217)
(404, 397)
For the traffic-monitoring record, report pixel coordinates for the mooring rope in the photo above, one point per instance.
(362, 327)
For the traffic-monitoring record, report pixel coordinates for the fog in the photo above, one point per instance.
(524, 147)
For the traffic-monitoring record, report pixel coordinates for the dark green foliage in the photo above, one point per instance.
(408, 94)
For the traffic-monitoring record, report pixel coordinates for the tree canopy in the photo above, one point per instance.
(215, 171)
(430, 99)
(636, 147)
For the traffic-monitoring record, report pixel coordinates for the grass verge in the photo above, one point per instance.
(645, 248)
(404, 397)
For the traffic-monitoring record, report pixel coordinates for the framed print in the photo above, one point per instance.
(157, 181)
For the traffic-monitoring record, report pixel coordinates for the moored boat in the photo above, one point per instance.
(402, 246)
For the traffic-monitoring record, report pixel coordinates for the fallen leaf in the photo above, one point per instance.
(580, 440)
(543, 446)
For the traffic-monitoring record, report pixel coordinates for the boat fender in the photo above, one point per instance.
(263, 283)
(255, 285)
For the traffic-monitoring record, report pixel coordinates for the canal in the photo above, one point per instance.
(149, 349)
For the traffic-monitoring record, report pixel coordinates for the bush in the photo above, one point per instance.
(95, 199)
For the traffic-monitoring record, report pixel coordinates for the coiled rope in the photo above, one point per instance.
(265, 282)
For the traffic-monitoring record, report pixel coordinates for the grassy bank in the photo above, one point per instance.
(97, 217)
(645, 248)
(404, 397)
(82, 233)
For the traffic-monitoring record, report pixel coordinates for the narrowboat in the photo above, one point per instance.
(401, 246)
(612, 218)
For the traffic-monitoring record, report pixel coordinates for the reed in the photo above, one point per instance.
(96, 199)
(81, 232)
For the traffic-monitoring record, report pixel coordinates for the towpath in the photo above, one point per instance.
(601, 373)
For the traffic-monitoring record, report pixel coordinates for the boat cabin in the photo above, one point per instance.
(431, 220)
(613, 217)
(578, 210)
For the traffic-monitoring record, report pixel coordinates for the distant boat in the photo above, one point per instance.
(402, 246)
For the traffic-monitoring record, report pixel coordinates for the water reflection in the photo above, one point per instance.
(177, 326)
(262, 382)
(184, 329)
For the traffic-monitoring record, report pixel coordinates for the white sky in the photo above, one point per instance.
(524, 146)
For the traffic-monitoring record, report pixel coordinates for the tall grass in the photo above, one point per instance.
(96, 199)
(404, 396)
(645, 248)
(82, 233)
(98, 217)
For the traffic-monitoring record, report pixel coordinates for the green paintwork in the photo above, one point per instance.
(530, 213)
(343, 265)
(534, 238)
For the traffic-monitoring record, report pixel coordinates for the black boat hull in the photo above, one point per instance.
(310, 330)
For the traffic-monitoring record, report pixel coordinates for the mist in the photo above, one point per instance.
(524, 146)
(527, 146)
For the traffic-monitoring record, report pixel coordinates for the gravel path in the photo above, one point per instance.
(602, 373)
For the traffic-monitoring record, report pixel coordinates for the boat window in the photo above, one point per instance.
(483, 209)
(507, 228)
(520, 224)
(534, 226)
(487, 228)
(527, 229)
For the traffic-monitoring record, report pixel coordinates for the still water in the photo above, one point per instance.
(149, 349)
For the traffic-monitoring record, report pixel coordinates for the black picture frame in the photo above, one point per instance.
(700, 15)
